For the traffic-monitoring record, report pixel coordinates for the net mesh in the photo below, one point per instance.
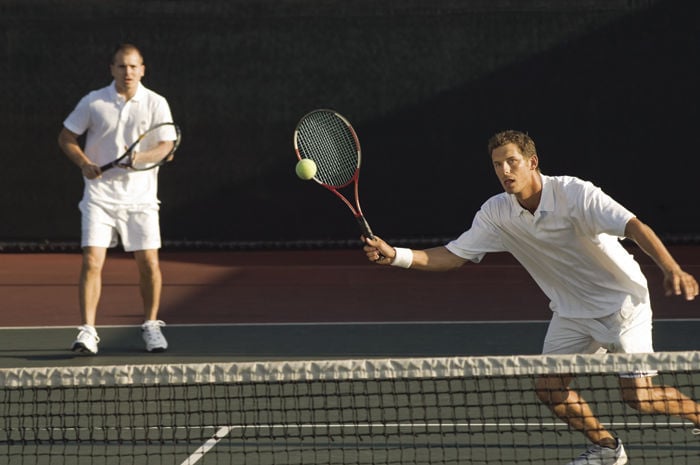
(326, 138)
(392, 411)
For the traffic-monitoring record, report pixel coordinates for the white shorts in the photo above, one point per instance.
(138, 227)
(626, 331)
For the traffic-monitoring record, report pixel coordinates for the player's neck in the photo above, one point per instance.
(127, 93)
(529, 198)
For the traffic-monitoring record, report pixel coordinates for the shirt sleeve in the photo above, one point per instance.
(601, 213)
(161, 111)
(481, 238)
(79, 120)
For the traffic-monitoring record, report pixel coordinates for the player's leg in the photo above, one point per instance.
(569, 406)
(150, 281)
(638, 389)
(641, 394)
(575, 336)
(141, 235)
(90, 286)
(89, 291)
(97, 234)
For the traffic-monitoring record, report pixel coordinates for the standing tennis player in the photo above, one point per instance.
(119, 203)
(566, 233)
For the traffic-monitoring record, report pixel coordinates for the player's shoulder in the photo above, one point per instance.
(573, 191)
(496, 204)
(568, 184)
(563, 180)
(102, 93)
(151, 94)
(155, 102)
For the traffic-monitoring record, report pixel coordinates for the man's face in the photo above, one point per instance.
(513, 169)
(127, 71)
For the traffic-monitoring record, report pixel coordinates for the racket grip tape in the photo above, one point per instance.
(107, 166)
(364, 227)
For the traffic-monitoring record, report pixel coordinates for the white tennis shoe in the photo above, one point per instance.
(87, 340)
(599, 455)
(153, 336)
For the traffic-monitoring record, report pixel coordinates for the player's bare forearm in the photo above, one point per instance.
(434, 259)
(676, 281)
(68, 142)
(155, 154)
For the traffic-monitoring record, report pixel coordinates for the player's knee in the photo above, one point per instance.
(150, 270)
(92, 263)
(636, 398)
(148, 263)
(639, 393)
(551, 391)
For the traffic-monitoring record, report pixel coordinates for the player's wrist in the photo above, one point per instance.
(403, 257)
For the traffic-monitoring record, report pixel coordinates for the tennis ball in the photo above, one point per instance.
(306, 169)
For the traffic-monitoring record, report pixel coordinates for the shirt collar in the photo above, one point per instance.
(546, 199)
(137, 96)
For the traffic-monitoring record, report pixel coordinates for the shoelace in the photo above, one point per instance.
(696, 431)
(152, 324)
(83, 330)
(591, 450)
(598, 448)
(152, 330)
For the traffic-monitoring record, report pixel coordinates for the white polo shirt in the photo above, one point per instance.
(112, 124)
(570, 246)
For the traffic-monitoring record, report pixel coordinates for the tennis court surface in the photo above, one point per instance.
(313, 357)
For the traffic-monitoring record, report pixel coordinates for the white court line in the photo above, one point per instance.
(313, 323)
(337, 323)
(207, 446)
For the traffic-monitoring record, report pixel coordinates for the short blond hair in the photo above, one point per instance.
(126, 48)
(523, 141)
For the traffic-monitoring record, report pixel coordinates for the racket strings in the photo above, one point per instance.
(329, 142)
(150, 139)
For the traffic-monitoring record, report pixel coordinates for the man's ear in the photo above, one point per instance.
(534, 162)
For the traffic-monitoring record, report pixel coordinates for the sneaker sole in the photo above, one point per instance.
(81, 349)
(156, 350)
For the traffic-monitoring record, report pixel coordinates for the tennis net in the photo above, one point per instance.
(462, 410)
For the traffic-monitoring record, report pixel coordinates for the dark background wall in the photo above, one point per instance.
(607, 88)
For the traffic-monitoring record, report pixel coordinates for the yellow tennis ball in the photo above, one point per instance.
(306, 169)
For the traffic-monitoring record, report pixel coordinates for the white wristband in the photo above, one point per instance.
(403, 258)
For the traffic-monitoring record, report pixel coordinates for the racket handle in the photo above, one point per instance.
(104, 168)
(112, 164)
(364, 227)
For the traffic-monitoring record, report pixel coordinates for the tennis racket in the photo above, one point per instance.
(329, 139)
(147, 152)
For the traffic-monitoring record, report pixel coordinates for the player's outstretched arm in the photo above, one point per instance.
(676, 281)
(434, 259)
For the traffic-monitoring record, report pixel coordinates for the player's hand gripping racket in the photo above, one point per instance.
(147, 152)
(329, 139)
